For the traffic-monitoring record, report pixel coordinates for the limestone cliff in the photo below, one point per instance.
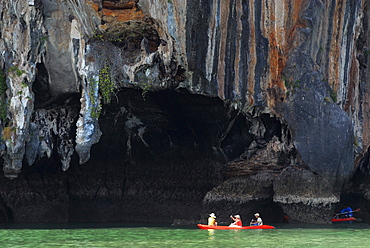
(185, 106)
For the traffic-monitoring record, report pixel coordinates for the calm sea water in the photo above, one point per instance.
(139, 235)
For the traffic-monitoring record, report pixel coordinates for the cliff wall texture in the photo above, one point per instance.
(174, 108)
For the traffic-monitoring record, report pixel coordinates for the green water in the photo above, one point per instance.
(123, 235)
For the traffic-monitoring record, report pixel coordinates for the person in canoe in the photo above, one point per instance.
(258, 221)
(212, 220)
(237, 220)
(347, 212)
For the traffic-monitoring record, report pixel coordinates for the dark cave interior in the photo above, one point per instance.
(158, 157)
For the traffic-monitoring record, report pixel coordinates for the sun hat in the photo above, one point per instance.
(256, 214)
(237, 216)
(213, 215)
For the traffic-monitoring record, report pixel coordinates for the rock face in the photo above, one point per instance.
(157, 110)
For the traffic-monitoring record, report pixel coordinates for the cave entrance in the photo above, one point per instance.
(158, 157)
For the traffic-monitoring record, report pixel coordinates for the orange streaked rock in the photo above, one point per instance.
(119, 4)
(122, 15)
(281, 37)
(117, 11)
(95, 6)
(252, 58)
(224, 8)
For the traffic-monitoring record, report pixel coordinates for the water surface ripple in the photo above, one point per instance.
(162, 235)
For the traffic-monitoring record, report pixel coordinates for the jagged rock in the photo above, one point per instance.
(47, 124)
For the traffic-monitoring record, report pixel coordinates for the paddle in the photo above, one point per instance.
(356, 210)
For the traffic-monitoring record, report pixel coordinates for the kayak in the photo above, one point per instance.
(337, 219)
(201, 226)
(343, 219)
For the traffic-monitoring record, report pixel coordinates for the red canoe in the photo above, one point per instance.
(234, 227)
(344, 219)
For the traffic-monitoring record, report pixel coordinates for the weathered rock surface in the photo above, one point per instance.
(305, 196)
(158, 110)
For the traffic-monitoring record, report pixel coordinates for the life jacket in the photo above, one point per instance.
(211, 221)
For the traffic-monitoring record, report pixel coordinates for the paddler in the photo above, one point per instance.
(347, 211)
(257, 221)
(212, 220)
(237, 220)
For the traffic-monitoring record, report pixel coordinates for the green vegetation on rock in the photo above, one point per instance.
(95, 105)
(145, 87)
(333, 96)
(291, 86)
(106, 85)
(14, 69)
(106, 88)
